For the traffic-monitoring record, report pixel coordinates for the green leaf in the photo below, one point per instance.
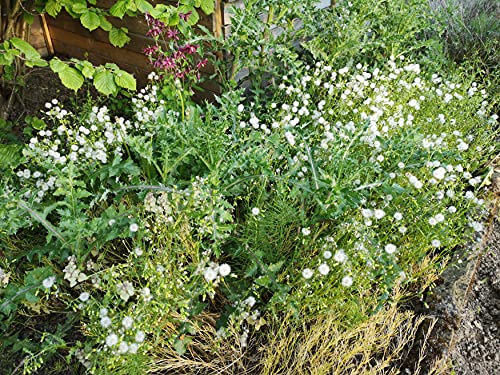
(105, 24)
(53, 7)
(79, 8)
(28, 18)
(207, 6)
(118, 37)
(90, 20)
(119, 8)
(144, 6)
(10, 156)
(87, 69)
(29, 51)
(6, 57)
(71, 78)
(193, 18)
(57, 65)
(104, 82)
(125, 80)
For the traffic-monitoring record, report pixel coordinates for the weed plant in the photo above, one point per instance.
(181, 236)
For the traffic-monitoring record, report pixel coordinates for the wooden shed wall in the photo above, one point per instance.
(70, 38)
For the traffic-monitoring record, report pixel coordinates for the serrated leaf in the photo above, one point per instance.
(6, 58)
(90, 20)
(10, 156)
(144, 6)
(105, 24)
(119, 8)
(125, 80)
(207, 6)
(79, 8)
(24, 47)
(71, 78)
(104, 82)
(118, 37)
(57, 65)
(53, 7)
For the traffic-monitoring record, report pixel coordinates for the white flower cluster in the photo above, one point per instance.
(72, 273)
(214, 272)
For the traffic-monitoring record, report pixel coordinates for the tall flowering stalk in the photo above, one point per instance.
(172, 54)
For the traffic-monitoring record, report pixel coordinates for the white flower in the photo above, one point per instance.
(379, 214)
(105, 322)
(103, 312)
(324, 269)
(402, 229)
(134, 227)
(250, 301)
(123, 348)
(432, 221)
(390, 248)
(439, 173)
(367, 213)
(140, 336)
(241, 108)
(138, 251)
(210, 274)
(340, 256)
(224, 269)
(452, 209)
(398, 216)
(327, 254)
(346, 281)
(84, 296)
(111, 340)
(436, 243)
(255, 211)
(127, 322)
(132, 348)
(439, 218)
(290, 138)
(48, 282)
(307, 273)
(306, 231)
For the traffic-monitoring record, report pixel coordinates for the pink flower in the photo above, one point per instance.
(189, 48)
(185, 16)
(172, 34)
(202, 63)
(150, 50)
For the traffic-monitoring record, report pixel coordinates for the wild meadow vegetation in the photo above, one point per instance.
(281, 229)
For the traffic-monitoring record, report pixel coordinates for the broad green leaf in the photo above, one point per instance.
(53, 7)
(143, 6)
(104, 82)
(71, 78)
(119, 8)
(79, 8)
(87, 69)
(193, 18)
(207, 6)
(6, 57)
(105, 24)
(118, 37)
(28, 18)
(125, 80)
(57, 65)
(10, 156)
(90, 20)
(29, 51)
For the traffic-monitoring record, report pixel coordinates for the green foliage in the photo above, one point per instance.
(343, 174)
